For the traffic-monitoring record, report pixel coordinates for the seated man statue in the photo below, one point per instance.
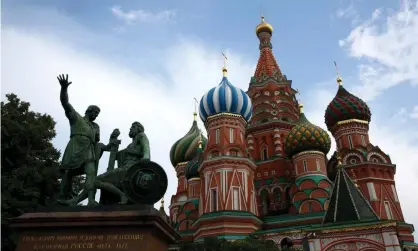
(110, 182)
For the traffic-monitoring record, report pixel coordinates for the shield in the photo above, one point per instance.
(145, 183)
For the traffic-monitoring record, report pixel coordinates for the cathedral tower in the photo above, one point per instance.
(307, 145)
(275, 111)
(181, 153)
(347, 118)
(226, 173)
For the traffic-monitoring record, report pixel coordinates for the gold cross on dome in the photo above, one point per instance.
(297, 93)
(195, 108)
(225, 59)
(336, 69)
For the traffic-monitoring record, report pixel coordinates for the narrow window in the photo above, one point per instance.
(340, 143)
(395, 195)
(217, 136)
(214, 200)
(363, 140)
(388, 210)
(318, 166)
(191, 190)
(235, 193)
(264, 153)
(231, 135)
(372, 191)
(305, 166)
(350, 141)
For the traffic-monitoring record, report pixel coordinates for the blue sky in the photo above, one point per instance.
(146, 60)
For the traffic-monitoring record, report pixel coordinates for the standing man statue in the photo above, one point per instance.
(82, 153)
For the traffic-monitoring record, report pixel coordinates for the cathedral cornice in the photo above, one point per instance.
(228, 160)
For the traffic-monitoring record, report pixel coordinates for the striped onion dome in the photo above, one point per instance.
(346, 106)
(184, 149)
(225, 98)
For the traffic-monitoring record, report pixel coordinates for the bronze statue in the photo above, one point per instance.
(137, 180)
(81, 156)
(111, 182)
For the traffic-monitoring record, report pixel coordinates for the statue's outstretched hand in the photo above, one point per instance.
(63, 80)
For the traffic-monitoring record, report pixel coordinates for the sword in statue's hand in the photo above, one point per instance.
(114, 143)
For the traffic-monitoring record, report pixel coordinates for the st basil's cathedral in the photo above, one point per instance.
(263, 169)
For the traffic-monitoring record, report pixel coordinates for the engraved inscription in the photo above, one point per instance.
(81, 242)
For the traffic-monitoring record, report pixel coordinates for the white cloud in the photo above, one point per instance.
(348, 13)
(389, 48)
(142, 16)
(414, 112)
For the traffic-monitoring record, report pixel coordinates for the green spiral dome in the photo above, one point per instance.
(306, 136)
(191, 169)
(184, 149)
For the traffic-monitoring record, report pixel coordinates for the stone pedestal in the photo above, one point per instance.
(125, 228)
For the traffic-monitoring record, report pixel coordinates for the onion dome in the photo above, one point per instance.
(263, 27)
(225, 98)
(192, 167)
(185, 148)
(346, 106)
(306, 136)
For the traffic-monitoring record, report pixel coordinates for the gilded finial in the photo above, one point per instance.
(339, 79)
(339, 159)
(162, 203)
(300, 108)
(195, 109)
(263, 27)
(224, 69)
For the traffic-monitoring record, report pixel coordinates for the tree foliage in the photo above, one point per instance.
(215, 244)
(29, 162)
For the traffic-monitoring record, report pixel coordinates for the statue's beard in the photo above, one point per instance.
(132, 134)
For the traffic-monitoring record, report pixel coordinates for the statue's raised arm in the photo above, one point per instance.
(69, 110)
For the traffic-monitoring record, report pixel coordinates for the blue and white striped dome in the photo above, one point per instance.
(225, 98)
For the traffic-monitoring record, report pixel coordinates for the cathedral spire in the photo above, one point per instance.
(267, 66)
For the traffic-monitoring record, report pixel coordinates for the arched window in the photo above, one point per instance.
(286, 243)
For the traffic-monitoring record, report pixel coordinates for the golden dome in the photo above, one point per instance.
(263, 26)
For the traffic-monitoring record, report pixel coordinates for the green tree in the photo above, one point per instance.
(215, 244)
(29, 163)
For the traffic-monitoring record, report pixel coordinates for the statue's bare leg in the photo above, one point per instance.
(90, 170)
(113, 189)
